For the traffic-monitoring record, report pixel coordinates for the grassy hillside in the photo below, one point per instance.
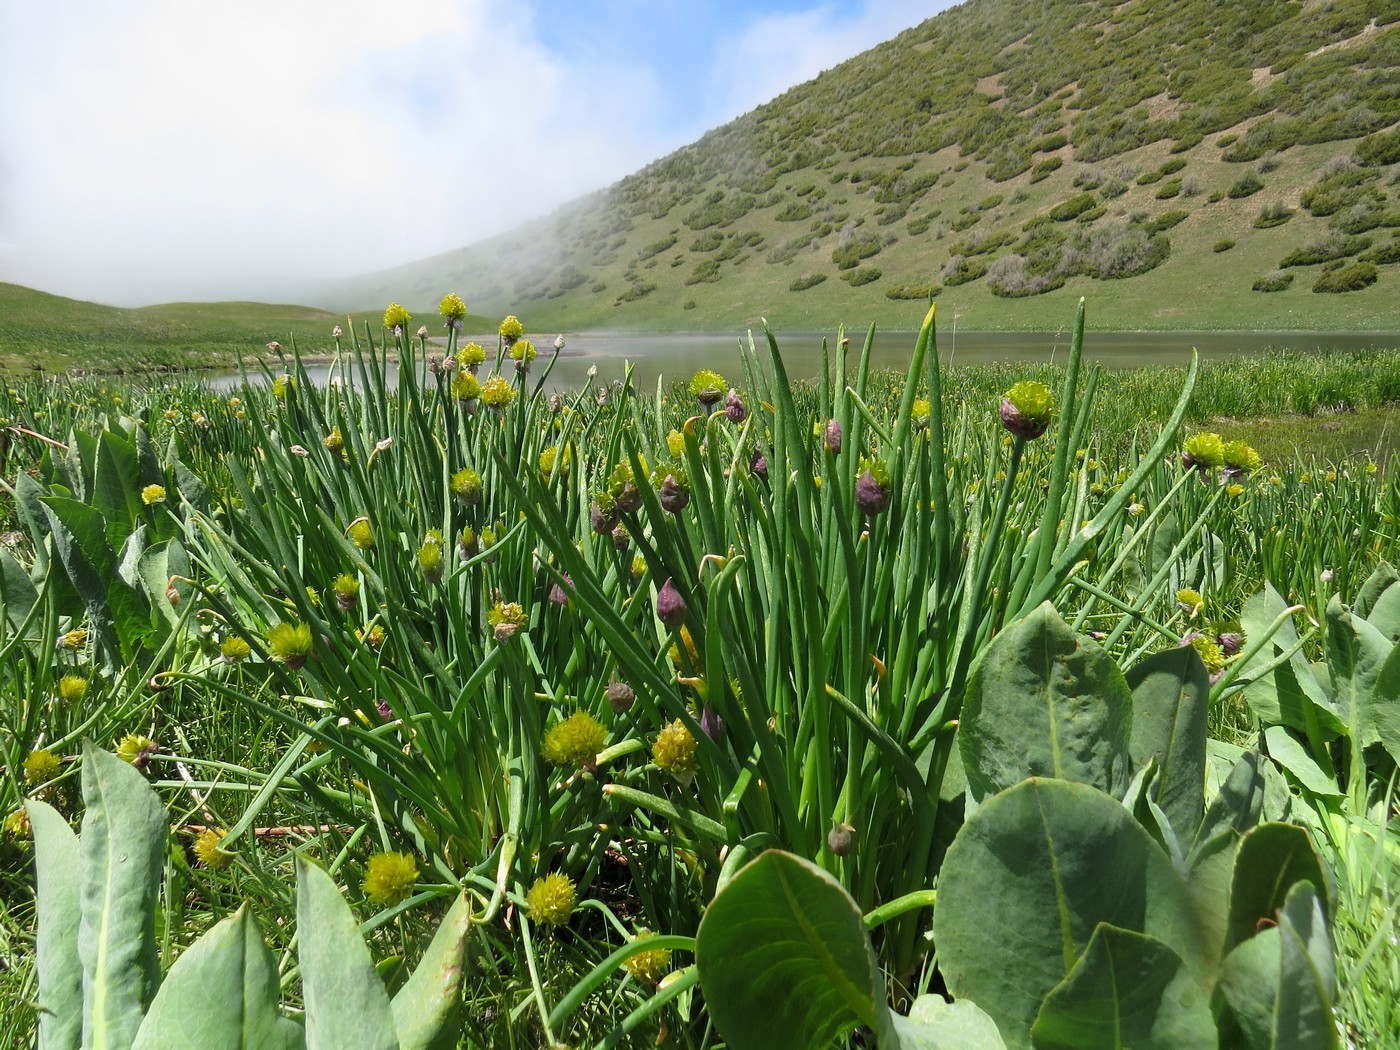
(51, 333)
(1164, 157)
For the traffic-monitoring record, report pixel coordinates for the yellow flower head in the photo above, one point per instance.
(290, 643)
(40, 766)
(674, 751)
(233, 649)
(389, 878)
(1204, 450)
(473, 355)
(396, 316)
(1240, 457)
(575, 741)
(497, 393)
(152, 494)
(551, 900)
(136, 749)
(675, 444)
(921, 414)
(466, 388)
(72, 689)
(650, 966)
(207, 852)
(506, 619)
(17, 825)
(512, 329)
(334, 441)
(452, 307)
(1190, 601)
(361, 534)
(374, 637)
(1211, 653)
(523, 352)
(430, 560)
(73, 640)
(466, 486)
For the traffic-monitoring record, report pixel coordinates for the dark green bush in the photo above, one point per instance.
(1072, 208)
(1272, 215)
(1169, 189)
(1165, 221)
(1050, 143)
(807, 280)
(656, 247)
(1045, 168)
(794, 212)
(1339, 189)
(1246, 185)
(689, 304)
(1275, 282)
(913, 291)
(919, 225)
(850, 254)
(961, 270)
(1325, 251)
(1222, 246)
(706, 272)
(1384, 254)
(1379, 149)
(1351, 278)
(863, 275)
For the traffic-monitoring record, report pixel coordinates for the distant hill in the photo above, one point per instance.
(1184, 163)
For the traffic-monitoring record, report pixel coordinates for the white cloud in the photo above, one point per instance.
(777, 51)
(160, 149)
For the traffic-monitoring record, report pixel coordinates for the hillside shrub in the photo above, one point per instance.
(1165, 221)
(1379, 149)
(1092, 215)
(849, 255)
(1339, 189)
(1325, 251)
(1272, 215)
(1116, 251)
(1046, 168)
(1246, 185)
(890, 213)
(1148, 178)
(1351, 278)
(1169, 189)
(961, 270)
(919, 225)
(656, 248)
(912, 291)
(1011, 277)
(1366, 214)
(1274, 282)
(989, 202)
(689, 304)
(1384, 254)
(1050, 143)
(706, 272)
(707, 241)
(1072, 208)
(794, 212)
(1222, 246)
(862, 275)
(965, 221)
(807, 280)
(637, 290)
(1172, 166)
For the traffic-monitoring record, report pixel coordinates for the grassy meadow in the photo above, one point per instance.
(584, 678)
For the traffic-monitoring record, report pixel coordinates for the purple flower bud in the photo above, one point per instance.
(385, 711)
(840, 839)
(621, 537)
(871, 498)
(620, 696)
(674, 498)
(712, 724)
(734, 407)
(603, 522)
(629, 500)
(670, 606)
(1019, 424)
(1230, 642)
(831, 440)
(758, 465)
(557, 594)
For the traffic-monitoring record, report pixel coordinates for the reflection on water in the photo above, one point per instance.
(674, 357)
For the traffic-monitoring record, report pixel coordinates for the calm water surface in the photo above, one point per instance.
(676, 356)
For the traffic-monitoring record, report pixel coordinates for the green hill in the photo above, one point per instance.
(1184, 163)
(49, 332)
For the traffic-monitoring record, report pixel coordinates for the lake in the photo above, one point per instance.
(677, 356)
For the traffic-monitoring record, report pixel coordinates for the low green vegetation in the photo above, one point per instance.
(479, 713)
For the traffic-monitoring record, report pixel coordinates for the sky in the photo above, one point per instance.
(163, 150)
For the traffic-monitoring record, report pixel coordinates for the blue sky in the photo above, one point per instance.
(158, 149)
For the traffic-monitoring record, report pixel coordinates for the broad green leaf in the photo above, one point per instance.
(1126, 990)
(1237, 805)
(1279, 984)
(784, 958)
(1384, 615)
(122, 849)
(1027, 881)
(346, 1004)
(221, 994)
(1355, 653)
(1212, 866)
(116, 490)
(88, 556)
(1383, 713)
(1045, 703)
(17, 590)
(936, 1024)
(425, 1008)
(1171, 699)
(1271, 859)
(1288, 752)
(56, 860)
(1290, 694)
(1377, 584)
